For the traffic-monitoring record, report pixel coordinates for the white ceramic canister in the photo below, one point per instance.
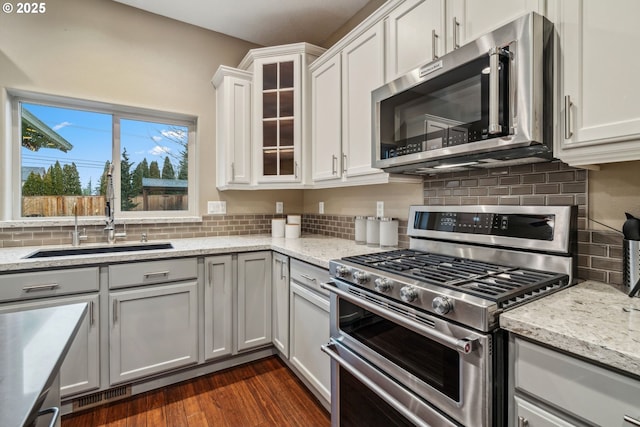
(294, 219)
(361, 230)
(373, 231)
(277, 227)
(292, 231)
(388, 232)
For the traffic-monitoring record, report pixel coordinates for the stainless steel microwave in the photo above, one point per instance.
(485, 104)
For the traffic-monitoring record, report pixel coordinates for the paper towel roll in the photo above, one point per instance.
(294, 219)
(292, 231)
(277, 227)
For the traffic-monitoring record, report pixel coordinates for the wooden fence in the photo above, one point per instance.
(48, 206)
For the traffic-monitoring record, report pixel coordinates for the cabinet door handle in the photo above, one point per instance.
(156, 274)
(36, 288)
(115, 311)
(456, 30)
(334, 165)
(210, 273)
(282, 265)
(91, 318)
(523, 422)
(434, 41)
(295, 169)
(631, 420)
(344, 164)
(568, 133)
(233, 171)
(312, 279)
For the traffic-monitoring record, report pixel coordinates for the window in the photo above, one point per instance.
(67, 149)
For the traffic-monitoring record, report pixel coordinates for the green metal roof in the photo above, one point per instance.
(37, 135)
(164, 183)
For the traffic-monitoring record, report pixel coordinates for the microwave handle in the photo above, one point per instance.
(494, 91)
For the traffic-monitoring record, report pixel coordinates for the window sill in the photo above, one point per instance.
(83, 221)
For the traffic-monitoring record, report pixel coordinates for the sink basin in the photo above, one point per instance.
(88, 250)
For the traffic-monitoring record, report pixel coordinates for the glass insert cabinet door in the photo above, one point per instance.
(278, 130)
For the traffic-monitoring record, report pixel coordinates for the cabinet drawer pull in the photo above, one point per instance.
(313, 279)
(36, 288)
(631, 420)
(156, 274)
(434, 41)
(456, 30)
(568, 133)
(523, 422)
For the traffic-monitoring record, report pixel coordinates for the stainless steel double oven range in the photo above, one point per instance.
(415, 338)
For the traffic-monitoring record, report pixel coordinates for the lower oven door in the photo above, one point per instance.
(361, 395)
(445, 365)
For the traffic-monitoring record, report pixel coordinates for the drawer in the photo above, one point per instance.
(309, 275)
(150, 272)
(39, 284)
(584, 390)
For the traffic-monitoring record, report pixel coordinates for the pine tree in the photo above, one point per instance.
(33, 186)
(57, 179)
(86, 191)
(167, 169)
(71, 180)
(183, 166)
(154, 170)
(101, 189)
(127, 192)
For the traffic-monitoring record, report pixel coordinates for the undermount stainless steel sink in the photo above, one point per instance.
(88, 250)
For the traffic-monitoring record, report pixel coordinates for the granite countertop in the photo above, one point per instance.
(314, 249)
(33, 344)
(591, 319)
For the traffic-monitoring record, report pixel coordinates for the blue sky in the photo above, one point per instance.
(90, 134)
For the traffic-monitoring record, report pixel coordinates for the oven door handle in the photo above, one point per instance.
(461, 345)
(372, 385)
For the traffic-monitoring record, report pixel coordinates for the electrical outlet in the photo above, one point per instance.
(321, 207)
(279, 207)
(216, 207)
(379, 209)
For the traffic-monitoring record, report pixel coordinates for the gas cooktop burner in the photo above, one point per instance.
(486, 280)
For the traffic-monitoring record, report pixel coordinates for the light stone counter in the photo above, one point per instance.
(592, 320)
(314, 249)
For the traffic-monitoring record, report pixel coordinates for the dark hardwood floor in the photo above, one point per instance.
(258, 394)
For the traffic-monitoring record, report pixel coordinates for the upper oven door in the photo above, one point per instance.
(444, 364)
(488, 101)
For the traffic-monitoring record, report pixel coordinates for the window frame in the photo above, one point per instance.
(117, 112)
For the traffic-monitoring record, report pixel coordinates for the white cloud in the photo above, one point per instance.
(156, 138)
(175, 135)
(61, 125)
(159, 150)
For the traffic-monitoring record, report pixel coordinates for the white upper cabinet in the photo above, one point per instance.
(598, 102)
(420, 31)
(362, 72)
(416, 35)
(469, 19)
(233, 127)
(326, 122)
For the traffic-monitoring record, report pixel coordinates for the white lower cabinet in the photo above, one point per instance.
(152, 329)
(550, 388)
(80, 371)
(310, 327)
(218, 306)
(254, 300)
(280, 305)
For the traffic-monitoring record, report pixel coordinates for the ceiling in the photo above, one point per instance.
(264, 22)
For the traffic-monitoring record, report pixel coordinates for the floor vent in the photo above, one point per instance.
(101, 398)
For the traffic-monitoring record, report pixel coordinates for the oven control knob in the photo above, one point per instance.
(342, 271)
(382, 284)
(408, 294)
(360, 277)
(442, 305)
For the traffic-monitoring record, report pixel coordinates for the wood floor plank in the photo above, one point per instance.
(259, 394)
